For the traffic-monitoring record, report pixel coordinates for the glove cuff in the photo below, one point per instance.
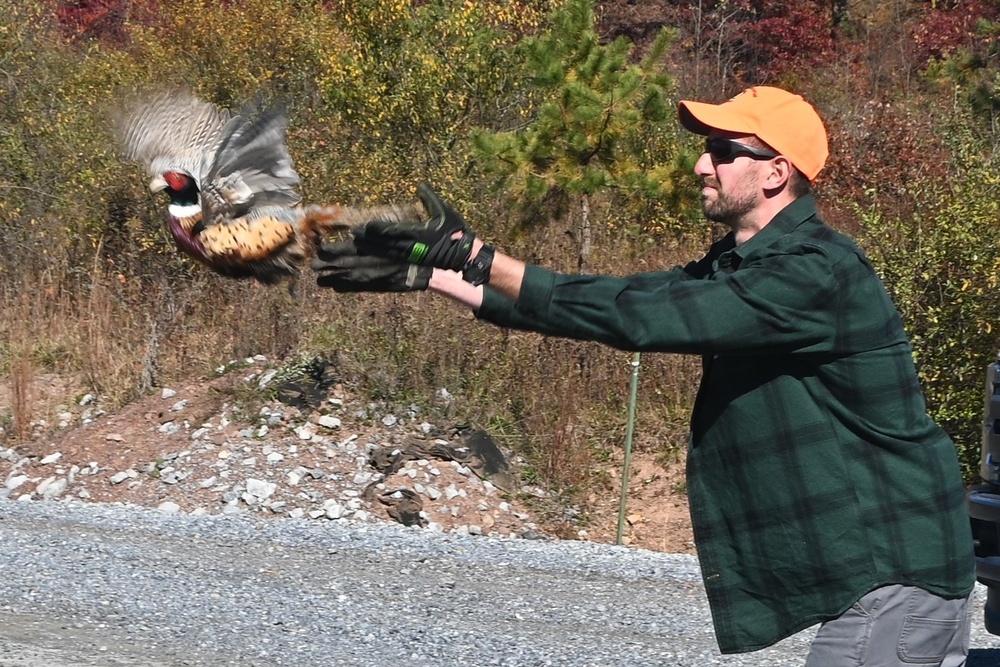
(477, 270)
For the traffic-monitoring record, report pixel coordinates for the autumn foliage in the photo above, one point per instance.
(385, 93)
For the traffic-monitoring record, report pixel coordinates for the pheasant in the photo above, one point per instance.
(233, 205)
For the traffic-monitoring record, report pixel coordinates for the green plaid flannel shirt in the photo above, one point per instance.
(814, 473)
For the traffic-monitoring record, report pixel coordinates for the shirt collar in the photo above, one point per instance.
(787, 219)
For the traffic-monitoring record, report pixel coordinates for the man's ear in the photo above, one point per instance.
(779, 172)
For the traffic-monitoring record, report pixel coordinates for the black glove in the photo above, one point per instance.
(344, 270)
(428, 243)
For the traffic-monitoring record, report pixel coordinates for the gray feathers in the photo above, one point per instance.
(238, 162)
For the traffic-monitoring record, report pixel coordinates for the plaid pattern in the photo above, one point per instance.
(814, 472)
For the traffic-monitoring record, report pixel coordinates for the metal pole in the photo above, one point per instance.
(628, 447)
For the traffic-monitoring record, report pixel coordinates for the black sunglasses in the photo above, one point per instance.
(725, 150)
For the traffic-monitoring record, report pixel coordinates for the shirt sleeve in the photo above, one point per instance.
(784, 301)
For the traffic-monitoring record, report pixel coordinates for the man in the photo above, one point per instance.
(820, 490)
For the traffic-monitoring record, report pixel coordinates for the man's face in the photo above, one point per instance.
(730, 177)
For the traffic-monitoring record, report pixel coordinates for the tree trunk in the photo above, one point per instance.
(839, 13)
(586, 238)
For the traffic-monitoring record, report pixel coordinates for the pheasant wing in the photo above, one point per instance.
(251, 168)
(173, 130)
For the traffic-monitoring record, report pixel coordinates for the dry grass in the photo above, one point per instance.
(560, 404)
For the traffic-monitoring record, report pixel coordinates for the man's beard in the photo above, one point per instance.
(729, 208)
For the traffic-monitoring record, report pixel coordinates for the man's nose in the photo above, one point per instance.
(704, 166)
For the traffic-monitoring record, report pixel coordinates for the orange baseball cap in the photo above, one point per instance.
(782, 120)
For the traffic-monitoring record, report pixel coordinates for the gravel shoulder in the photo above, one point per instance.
(109, 582)
(103, 584)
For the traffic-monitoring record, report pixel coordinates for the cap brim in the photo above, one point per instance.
(702, 118)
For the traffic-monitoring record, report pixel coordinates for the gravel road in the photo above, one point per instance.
(93, 585)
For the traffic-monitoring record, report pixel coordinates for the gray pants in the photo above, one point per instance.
(895, 626)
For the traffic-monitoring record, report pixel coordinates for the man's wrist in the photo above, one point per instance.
(477, 270)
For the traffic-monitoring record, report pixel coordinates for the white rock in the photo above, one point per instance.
(205, 483)
(389, 420)
(304, 433)
(266, 377)
(451, 491)
(328, 421)
(297, 513)
(167, 393)
(296, 476)
(261, 489)
(262, 431)
(15, 481)
(275, 457)
(120, 477)
(198, 434)
(433, 493)
(333, 509)
(53, 487)
(169, 507)
(179, 405)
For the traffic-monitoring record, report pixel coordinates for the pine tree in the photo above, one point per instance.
(594, 108)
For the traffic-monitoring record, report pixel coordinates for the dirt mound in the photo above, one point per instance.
(250, 441)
